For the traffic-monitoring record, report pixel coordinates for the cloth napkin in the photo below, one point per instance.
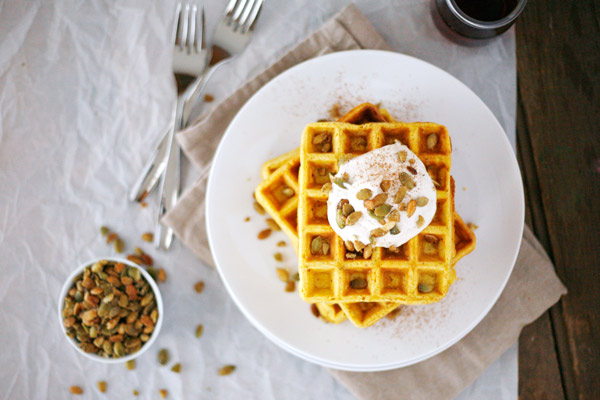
(533, 286)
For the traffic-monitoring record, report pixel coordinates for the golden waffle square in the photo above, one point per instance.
(422, 270)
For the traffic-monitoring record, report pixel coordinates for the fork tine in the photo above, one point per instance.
(249, 25)
(200, 31)
(191, 43)
(184, 26)
(238, 11)
(244, 16)
(230, 7)
(177, 25)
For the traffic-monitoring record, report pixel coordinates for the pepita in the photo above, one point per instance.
(395, 230)
(102, 386)
(402, 156)
(412, 170)
(258, 208)
(411, 207)
(287, 192)
(265, 233)
(382, 210)
(340, 219)
(316, 245)
(76, 390)
(425, 287)
(420, 221)
(432, 141)
(407, 180)
(347, 209)
(364, 194)
(278, 256)
(422, 201)
(283, 274)
(226, 370)
(358, 283)
(272, 224)
(377, 232)
(176, 368)
(353, 218)
(130, 365)
(148, 237)
(199, 330)
(119, 245)
(163, 356)
(104, 230)
(290, 286)
(394, 215)
(349, 245)
(199, 287)
(385, 185)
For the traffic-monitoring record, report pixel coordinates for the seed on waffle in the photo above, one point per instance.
(420, 271)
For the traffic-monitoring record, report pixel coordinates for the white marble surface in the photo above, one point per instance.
(85, 89)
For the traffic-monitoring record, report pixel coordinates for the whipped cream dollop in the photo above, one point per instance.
(384, 197)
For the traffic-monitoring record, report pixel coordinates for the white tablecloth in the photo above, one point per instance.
(85, 90)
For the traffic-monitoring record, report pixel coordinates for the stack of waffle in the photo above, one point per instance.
(341, 280)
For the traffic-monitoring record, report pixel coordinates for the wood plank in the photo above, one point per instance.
(539, 373)
(558, 62)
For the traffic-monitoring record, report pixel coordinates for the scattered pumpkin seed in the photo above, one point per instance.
(281, 243)
(290, 286)
(161, 275)
(400, 194)
(76, 390)
(163, 356)
(199, 330)
(278, 256)
(104, 230)
(472, 226)
(130, 365)
(338, 181)
(199, 286)
(287, 192)
(148, 237)
(347, 209)
(364, 194)
(315, 310)
(315, 245)
(272, 224)
(119, 245)
(176, 368)
(402, 156)
(358, 283)
(349, 245)
(350, 255)
(296, 277)
(353, 218)
(265, 233)
(420, 221)
(325, 248)
(163, 393)
(377, 232)
(367, 251)
(135, 392)
(226, 370)
(358, 246)
(432, 141)
(326, 188)
(388, 226)
(425, 287)
(259, 209)
(111, 237)
(411, 170)
(102, 386)
(283, 274)
(395, 230)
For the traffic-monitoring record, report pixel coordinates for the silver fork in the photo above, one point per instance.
(231, 37)
(190, 57)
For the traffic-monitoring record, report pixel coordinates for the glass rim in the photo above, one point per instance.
(487, 25)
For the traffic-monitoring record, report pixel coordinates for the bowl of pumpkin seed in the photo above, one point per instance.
(111, 310)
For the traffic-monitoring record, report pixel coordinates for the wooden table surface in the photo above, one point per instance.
(558, 135)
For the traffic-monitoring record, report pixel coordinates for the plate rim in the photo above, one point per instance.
(373, 367)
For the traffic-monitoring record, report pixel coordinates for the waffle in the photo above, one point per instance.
(331, 312)
(425, 261)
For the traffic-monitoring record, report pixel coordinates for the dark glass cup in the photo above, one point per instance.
(479, 19)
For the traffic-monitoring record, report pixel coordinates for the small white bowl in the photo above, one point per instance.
(159, 304)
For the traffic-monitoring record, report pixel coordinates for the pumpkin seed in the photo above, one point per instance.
(395, 230)
(382, 210)
(338, 181)
(102, 386)
(265, 233)
(394, 215)
(432, 141)
(283, 274)
(378, 232)
(278, 257)
(163, 356)
(431, 239)
(296, 277)
(111, 237)
(162, 275)
(325, 248)
(272, 224)
(353, 218)
(425, 287)
(163, 393)
(358, 283)
(340, 219)
(319, 138)
(176, 368)
(148, 237)
(104, 230)
(358, 143)
(411, 170)
(119, 245)
(199, 330)
(407, 180)
(402, 156)
(358, 246)
(364, 194)
(388, 226)
(315, 245)
(76, 390)
(281, 243)
(314, 310)
(349, 245)
(135, 392)
(326, 188)
(411, 207)
(258, 208)
(420, 221)
(422, 201)
(347, 209)
(130, 365)
(287, 192)
(290, 286)
(226, 370)
(385, 185)
(350, 255)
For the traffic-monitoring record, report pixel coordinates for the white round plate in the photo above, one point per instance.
(489, 193)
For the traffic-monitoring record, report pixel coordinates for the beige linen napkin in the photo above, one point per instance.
(532, 288)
